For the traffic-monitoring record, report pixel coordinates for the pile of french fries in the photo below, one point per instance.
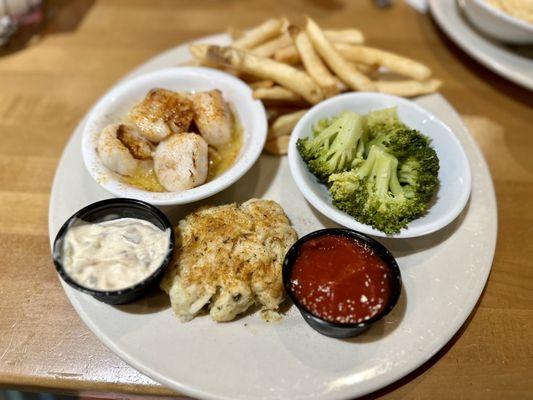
(290, 68)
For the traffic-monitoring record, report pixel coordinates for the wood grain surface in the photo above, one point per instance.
(48, 82)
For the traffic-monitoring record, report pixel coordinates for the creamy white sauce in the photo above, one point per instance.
(114, 254)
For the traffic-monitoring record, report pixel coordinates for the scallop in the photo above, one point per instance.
(162, 113)
(123, 149)
(181, 162)
(212, 117)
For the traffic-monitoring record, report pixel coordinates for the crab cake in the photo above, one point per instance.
(228, 258)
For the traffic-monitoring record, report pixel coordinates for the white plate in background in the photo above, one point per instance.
(496, 23)
(443, 276)
(500, 58)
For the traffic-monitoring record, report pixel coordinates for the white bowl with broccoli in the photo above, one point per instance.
(380, 164)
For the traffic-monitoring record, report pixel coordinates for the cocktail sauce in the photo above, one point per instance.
(340, 279)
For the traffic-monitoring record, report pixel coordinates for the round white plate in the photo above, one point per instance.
(499, 58)
(443, 274)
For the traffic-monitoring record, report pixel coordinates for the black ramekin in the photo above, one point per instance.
(334, 329)
(107, 210)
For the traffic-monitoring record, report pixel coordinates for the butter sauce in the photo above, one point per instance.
(114, 255)
(220, 160)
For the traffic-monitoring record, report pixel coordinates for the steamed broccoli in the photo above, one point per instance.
(336, 143)
(394, 184)
(390, 175)
(379, 121)
(418, 162)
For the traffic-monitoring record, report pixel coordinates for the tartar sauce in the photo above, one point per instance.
(114, 254)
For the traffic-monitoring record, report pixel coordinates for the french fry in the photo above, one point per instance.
(347, 36)
(204, 63)
(260, 34)
(408, 88)
(291, 56)
(285, 24)
(341, 86)
(272, 113)
(366, 69)
(351, 36)
(199, 51)
(276, 93)
(312, 62)
(262, 84)
(288, 55)
(288, 68)
(275, 110)
(284, 124)
(291, 78)
(371, 56)
(278, 146)
(269, 48)
(344, 70)
(235, 33)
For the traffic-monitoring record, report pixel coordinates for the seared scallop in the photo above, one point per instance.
(162, 113)
(212, 117)
(181, 162)
(122, 148)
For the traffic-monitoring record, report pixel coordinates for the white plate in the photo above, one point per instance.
(497, 23)
(454, 173)
(112, 107)
(443, 275)
(499, 58)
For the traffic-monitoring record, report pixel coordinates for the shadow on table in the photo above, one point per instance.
(59, 16)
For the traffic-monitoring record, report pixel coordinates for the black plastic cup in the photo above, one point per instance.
(335, 329)
(107, 210)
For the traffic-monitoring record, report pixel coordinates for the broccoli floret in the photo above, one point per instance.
(379, 121)
(400, 141)
(322, 124)
(418, 174)
(387, 116)
(392, 186)
(335, 147)
(372, 193)
(418, 162)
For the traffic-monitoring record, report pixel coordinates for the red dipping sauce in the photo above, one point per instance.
(340, 279)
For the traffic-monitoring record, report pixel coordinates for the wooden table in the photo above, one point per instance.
(48, 83)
